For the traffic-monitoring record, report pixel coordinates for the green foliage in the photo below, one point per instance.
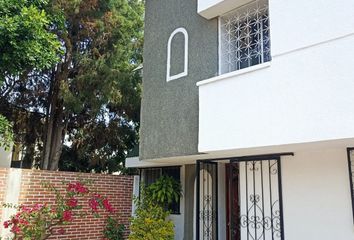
(165, 190)
(102, 98)
(113, 230)
(150, 220)
(91, 97)
(25, 39)
(6, 134)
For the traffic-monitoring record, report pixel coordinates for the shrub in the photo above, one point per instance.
(165, 190)
(113, 230)
(150, 220)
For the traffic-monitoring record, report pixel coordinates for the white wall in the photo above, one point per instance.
(5, 158)
(213, 8)
(304, 96)
(301, 23)
(316, 194)
(11, 196)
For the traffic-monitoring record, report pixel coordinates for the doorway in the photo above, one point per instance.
(253, 198)
(232, 199)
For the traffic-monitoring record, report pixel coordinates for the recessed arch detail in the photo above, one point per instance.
(185, 68)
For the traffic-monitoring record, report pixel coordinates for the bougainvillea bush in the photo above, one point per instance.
(40, 221)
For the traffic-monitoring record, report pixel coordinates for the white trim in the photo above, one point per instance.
(219, 45)
(234, 73)
(185, 70)
(136, 191)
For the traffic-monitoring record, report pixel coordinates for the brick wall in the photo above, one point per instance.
(117, 188)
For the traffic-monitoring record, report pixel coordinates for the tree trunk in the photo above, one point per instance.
(29, 156)
(55, 134)
(54, 138)
(54, 126)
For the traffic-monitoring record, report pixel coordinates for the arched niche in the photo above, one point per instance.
(184, 73)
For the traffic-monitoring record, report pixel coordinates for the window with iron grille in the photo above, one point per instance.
(150, 175)
(244, 37)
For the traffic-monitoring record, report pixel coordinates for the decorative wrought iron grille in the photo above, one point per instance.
(258, 215)
(254, 198)
(207, 226)
(350, 152)
(244, 39)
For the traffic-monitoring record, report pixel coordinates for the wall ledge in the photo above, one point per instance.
(234, 73)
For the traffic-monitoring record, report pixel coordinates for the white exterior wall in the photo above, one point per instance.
(302, 23)
(316, 196)
(305, 95)
(5, 158)
(212, 8)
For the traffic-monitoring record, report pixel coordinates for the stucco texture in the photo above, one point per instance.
(169, 114)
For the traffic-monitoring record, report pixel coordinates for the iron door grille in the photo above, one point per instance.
(350, 152)
(259, 213)
(255, 201)
(207, 201)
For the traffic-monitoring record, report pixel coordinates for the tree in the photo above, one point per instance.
(25, 44)
(6, 135)
(90, 99)
(25, 41)
(88, 90)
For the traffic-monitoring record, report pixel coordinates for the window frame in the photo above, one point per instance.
(220, 32)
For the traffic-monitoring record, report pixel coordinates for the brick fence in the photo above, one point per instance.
(22, 186)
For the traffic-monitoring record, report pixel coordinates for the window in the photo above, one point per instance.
(244, 37)
(150, 175)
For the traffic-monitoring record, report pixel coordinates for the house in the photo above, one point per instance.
(251, 105)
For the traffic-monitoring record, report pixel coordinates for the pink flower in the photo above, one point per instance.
(77, 187)
(72, 202)
(15, 220)
(24, 222)
(26, 209)
(7, 224)
(107, 205)
(15, 229)
(67, 216)
(93, 203)
(38, 206)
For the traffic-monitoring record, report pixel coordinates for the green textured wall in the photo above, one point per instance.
(169, 114)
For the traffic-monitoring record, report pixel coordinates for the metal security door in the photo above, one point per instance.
(259, 213)
(207, 201)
